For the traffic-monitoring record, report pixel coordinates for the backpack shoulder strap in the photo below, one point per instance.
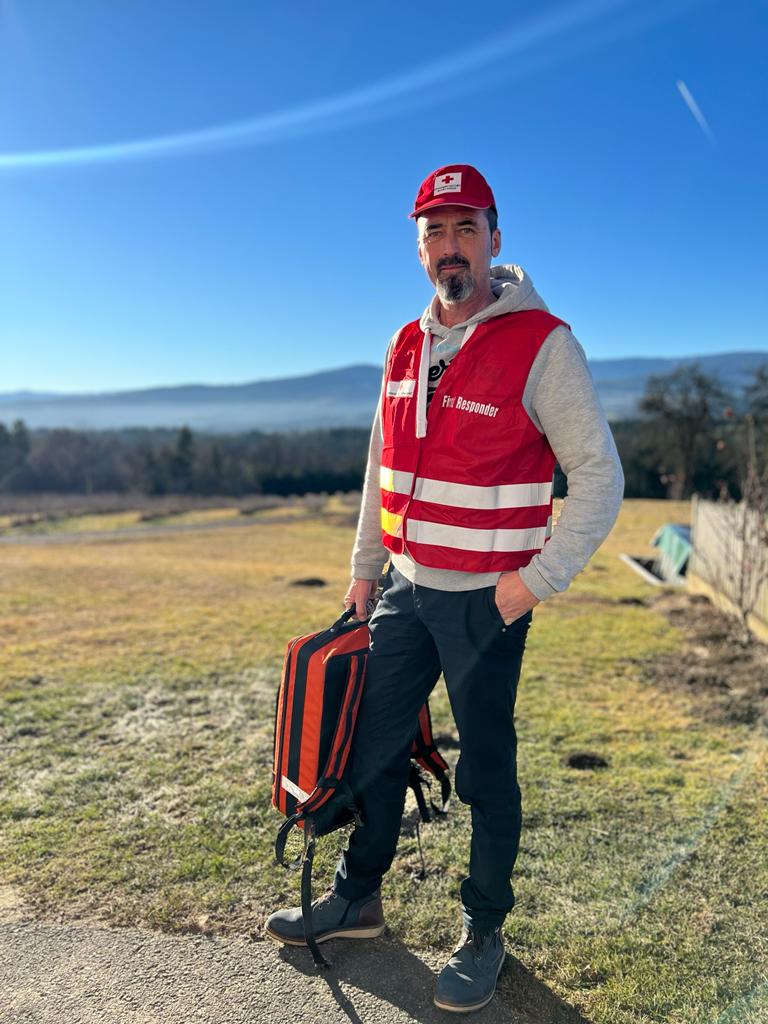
(424, 753)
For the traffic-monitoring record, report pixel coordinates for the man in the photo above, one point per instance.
(480, 397)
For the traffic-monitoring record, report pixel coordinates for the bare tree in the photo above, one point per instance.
(754, 523)
(756, 393)
(732, 536)
(685, 405)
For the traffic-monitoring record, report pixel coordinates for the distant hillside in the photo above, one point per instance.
(342, 397)
(621, 382)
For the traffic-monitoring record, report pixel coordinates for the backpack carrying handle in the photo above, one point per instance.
(345, 616)
(282, 839)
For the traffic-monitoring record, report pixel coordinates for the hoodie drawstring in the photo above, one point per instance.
(422, 386)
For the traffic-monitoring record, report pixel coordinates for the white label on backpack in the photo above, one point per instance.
(293, 789)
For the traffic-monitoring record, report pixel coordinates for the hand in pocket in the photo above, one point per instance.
(512, 597)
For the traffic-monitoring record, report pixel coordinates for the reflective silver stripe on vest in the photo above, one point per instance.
(465, 539)
(396, 480)
(400, 388)
(471, 496)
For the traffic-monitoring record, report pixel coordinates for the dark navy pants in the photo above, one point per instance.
(417, 632)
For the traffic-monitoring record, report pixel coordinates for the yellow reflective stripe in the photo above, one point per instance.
(466, 539)
(396, 480)
(443, 492)
(391, 523)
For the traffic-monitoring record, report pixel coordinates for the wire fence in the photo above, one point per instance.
(729, 561)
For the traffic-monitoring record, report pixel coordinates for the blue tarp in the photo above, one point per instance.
(674, 543)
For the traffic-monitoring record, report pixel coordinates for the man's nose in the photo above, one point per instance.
(450, 246)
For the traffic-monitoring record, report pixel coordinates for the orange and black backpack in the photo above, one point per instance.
(317, 704)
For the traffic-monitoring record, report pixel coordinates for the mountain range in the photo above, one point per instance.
(341, 397)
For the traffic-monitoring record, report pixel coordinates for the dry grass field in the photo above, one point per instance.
(137, 682)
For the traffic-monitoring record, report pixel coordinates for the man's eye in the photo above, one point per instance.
(467, 231)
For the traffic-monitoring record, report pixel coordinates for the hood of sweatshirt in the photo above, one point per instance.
(513, 289)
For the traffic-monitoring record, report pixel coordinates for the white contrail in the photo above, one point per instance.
(533, 38)
(695, 109)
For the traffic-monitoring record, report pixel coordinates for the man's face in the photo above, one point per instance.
(455, 249)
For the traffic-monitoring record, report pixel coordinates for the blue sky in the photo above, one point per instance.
(261, 228)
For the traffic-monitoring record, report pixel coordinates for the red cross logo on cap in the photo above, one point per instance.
(450, 182)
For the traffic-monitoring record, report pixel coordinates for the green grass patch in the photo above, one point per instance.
(136, 726)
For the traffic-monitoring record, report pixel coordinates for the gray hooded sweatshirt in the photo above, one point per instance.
(561, 400)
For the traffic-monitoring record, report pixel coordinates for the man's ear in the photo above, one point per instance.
(496, 243)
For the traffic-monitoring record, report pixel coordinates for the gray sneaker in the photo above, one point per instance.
(468, 980)
(333, 917)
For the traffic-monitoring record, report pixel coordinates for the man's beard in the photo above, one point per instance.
(456, 286)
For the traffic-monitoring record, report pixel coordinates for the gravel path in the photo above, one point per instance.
(78, 974)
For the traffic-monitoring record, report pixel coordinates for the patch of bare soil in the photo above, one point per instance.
(727, 670)
(11, 905)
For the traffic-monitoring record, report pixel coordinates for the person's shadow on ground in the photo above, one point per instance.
(390, 972)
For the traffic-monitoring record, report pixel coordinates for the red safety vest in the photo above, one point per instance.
(467, 485)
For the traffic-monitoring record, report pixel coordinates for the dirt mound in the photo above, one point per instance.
(726, 669)
(584, 760)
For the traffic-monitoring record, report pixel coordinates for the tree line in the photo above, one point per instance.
(158, 462)
(690, 435)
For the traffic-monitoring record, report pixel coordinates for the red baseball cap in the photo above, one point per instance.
(455, 185)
